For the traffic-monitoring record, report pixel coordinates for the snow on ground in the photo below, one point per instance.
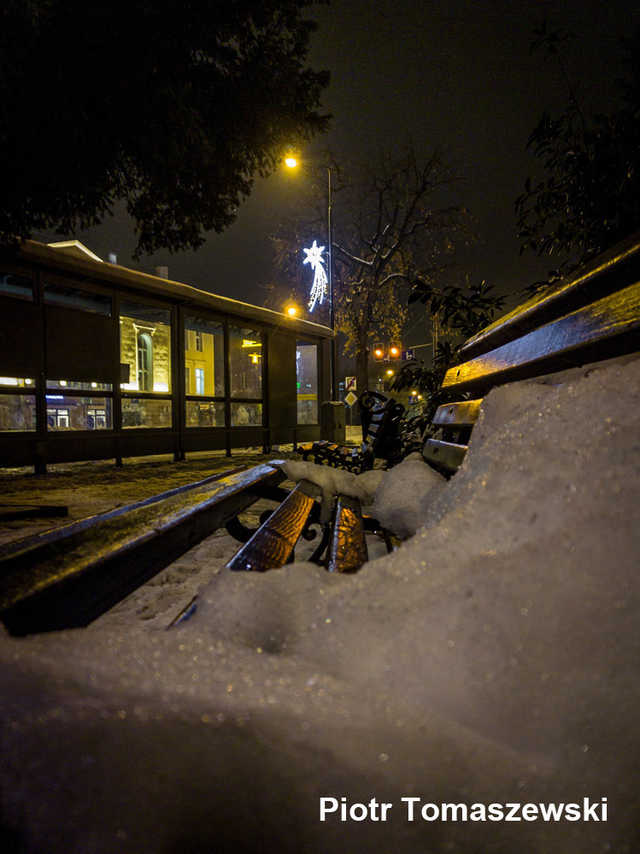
(492, 658)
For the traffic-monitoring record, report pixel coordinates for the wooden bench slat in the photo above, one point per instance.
(604, 275)
(462, 414)
(67, 577)
(348, 547)
(608, 327)
(273, 543)
(446, 455)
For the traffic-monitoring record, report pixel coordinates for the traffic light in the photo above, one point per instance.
(378, 352)
(394, 351)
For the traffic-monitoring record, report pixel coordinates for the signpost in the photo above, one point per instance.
(350, 398)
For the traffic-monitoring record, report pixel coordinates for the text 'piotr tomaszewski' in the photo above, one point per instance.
(415, 809)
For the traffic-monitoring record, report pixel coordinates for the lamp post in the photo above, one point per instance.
(332, 314)
(292, 162)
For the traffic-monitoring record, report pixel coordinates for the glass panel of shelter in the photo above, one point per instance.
(307, 382)
(207, 388)
(16, 285)
(145, 370)
(145, 365)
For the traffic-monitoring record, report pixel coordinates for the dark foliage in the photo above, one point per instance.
(462, 311)
(173, 107)
(588, 197)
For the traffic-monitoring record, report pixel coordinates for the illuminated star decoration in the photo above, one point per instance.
(319, 287)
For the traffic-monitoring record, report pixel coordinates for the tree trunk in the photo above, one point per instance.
(362, 368)
(362, 363)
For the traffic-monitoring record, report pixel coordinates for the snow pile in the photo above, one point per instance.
(492, 658)
(404, 494)
(397, 498)
(333, 482)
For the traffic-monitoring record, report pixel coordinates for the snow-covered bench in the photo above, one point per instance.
(68, 576)
(380, 437)
(592, 317)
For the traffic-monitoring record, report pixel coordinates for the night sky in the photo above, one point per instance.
(456, 75)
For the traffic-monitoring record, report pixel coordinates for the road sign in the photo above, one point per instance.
(408, 355)
(350, 384)
(350, 398)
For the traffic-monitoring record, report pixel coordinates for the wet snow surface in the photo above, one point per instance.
(492, 658)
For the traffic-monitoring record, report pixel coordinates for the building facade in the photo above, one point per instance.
(99, 361)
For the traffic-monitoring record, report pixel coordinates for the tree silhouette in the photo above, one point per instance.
(172, 107)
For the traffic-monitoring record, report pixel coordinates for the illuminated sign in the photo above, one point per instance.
(319, 287)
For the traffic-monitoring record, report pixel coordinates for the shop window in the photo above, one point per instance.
(204, 356)
(245, 357)
(307, 382)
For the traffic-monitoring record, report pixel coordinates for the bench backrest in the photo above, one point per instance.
(380, 425)
(592, 317)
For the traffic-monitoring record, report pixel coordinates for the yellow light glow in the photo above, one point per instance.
(419, 397)
(160, 387)
(255, 358)
(389, 372)
(94, 385)
(247, 342)
(292, 310)
(291, 161)
(63, 383)
(414, 393)
(394, 351)
(378, 353)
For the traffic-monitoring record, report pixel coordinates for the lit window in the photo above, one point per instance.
(204, 343)
(145, 362)
(58, 419)
(96, 419)
(199, 380)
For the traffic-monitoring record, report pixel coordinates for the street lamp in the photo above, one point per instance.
(291, 161)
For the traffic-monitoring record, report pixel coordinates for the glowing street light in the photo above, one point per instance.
(292, 310)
